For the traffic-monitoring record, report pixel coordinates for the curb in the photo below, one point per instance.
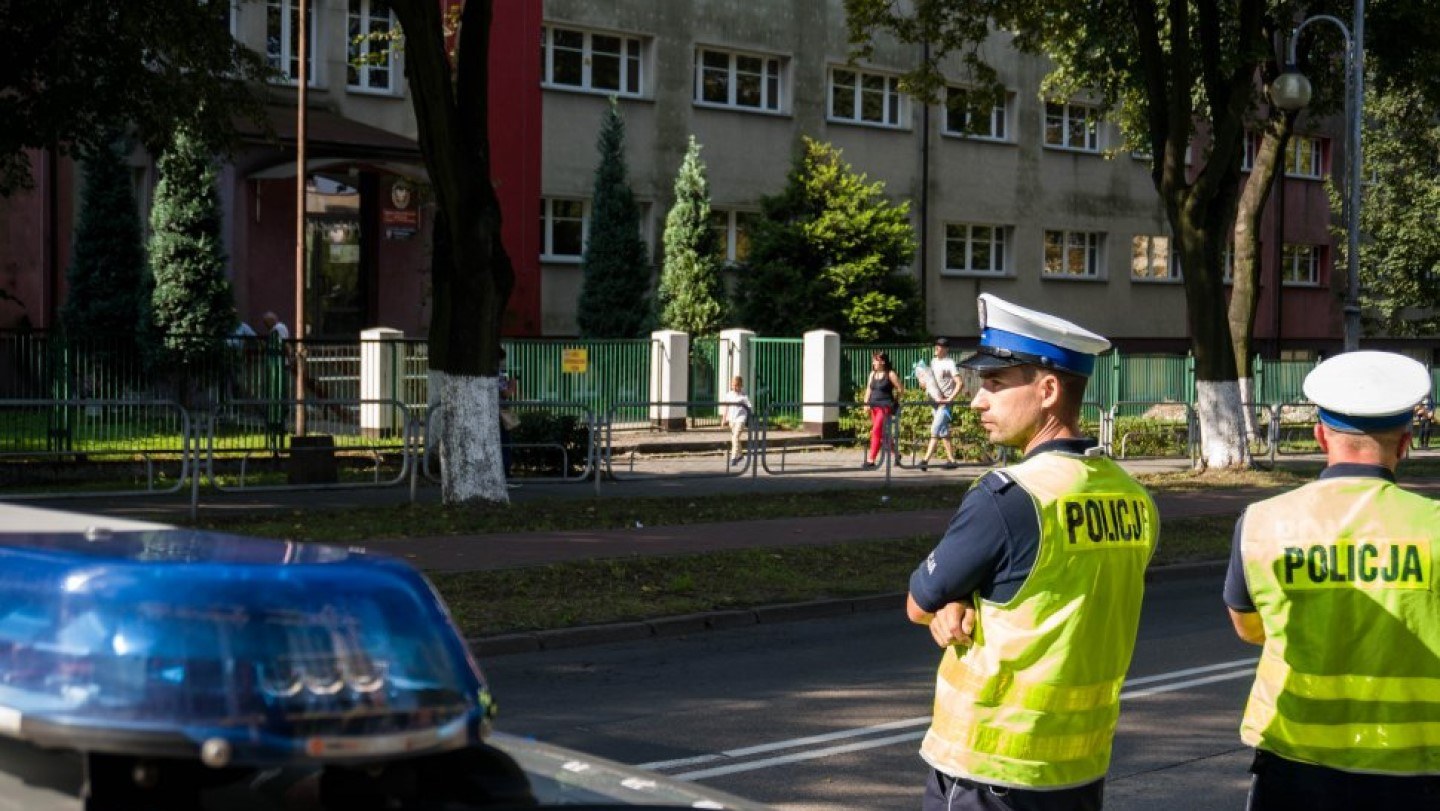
(687, 624)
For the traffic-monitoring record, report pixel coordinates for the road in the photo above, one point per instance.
(827, 714)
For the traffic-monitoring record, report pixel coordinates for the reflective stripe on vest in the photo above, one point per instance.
(1033, 704)
(1342, 574)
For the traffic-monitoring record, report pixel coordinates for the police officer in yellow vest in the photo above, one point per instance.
(1034, 591)
(1336, 580)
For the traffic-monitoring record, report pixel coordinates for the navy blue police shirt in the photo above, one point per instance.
(991, 543)
(1237, 590)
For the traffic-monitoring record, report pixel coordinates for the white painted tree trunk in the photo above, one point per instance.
(1247, 407)
(470, 459)
(1222, 424)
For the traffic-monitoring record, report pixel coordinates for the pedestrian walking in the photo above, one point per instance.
(736, 414)
(1336, 580)
(883, 400)
(944, 388)
(1034, 591)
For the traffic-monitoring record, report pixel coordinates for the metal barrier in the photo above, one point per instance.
(783, 464)
(1283, 436)
(747, 467)
(1188, 423)
(261, 426)
(96, 430)
(428, 451)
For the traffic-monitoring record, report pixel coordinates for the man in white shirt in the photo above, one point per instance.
(944, 391)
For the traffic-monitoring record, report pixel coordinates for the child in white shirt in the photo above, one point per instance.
(736, 414)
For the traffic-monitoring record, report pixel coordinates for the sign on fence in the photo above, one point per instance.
(575, 361)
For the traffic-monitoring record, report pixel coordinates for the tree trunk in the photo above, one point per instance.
(1245, 287)
(1222, 425)
(471, 275)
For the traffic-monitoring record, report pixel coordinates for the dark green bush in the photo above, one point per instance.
(546, 434)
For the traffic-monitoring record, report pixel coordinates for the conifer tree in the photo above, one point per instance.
(691, 297)
(830, 252)
(614, 293)
(107, 277)
(192, 305)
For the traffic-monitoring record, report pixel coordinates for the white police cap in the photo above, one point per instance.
(1011, 335)
(1367, 391)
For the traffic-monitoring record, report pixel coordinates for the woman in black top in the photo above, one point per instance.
(883, 397)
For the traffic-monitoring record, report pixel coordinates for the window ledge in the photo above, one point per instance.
(1065, 277)
(735, 108)
(874, 125)
(976, 274)
(1074, 150)
(547, 259)
(375, 92)
(1310, 285)
(979, 139)
(1151, 280)
(591, 91)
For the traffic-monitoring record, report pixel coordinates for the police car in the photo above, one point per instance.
(148, 668)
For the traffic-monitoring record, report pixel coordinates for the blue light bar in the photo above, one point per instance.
(231, 650)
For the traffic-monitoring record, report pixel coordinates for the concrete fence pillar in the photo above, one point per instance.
(822, 382)
(669, 378)
(735, 359)
(380, 370)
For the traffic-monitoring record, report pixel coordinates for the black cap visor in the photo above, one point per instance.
(990, 357)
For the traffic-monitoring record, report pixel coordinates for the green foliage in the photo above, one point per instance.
(691, 296)
(75, 69)
(192, 306)
(107, 277)
(613, 296)
(1400, 261)
(830, 252)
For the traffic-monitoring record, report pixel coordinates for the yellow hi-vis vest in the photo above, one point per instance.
(1342, 572)
(1034, 702)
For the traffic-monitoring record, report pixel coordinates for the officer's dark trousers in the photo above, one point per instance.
(1282, 785)
(945, 793)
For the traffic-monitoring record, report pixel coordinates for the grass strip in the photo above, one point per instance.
(623, 589)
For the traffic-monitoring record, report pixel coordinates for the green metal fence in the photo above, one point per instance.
(1280, 381)
(855, 363)
(614, 371)
(776, 374)
(704, 379)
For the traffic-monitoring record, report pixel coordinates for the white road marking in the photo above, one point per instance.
(1246, 670)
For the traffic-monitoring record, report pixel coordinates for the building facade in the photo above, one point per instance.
(1041, 203)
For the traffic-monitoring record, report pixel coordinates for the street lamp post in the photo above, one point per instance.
(1291, 91)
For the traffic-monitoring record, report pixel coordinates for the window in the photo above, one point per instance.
(732, 231)
(1073, 254)
(1153, 260)
(975, 248)
(869, 98)
(282, 39)
(587, 60)
(371, 65)
(958, 119)
(227, 14)
(1252, 148)
(564, 226)
(1305, 157)
(1300, 265)
(1072, 126)
(727, 79)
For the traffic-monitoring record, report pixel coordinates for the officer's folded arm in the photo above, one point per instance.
(1247, 626)
(951, 624)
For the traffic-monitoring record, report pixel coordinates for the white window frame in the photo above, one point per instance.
(363, 19)
(996, 237)
(1298, 256)
(1000, 127)
(632, 51)
(1089, 245)
(772, 80)
(1150, 251)
(1064, 112)
(1316, 147)
(730, 239)
(894, 107)
(289, 17)
(547, 230)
